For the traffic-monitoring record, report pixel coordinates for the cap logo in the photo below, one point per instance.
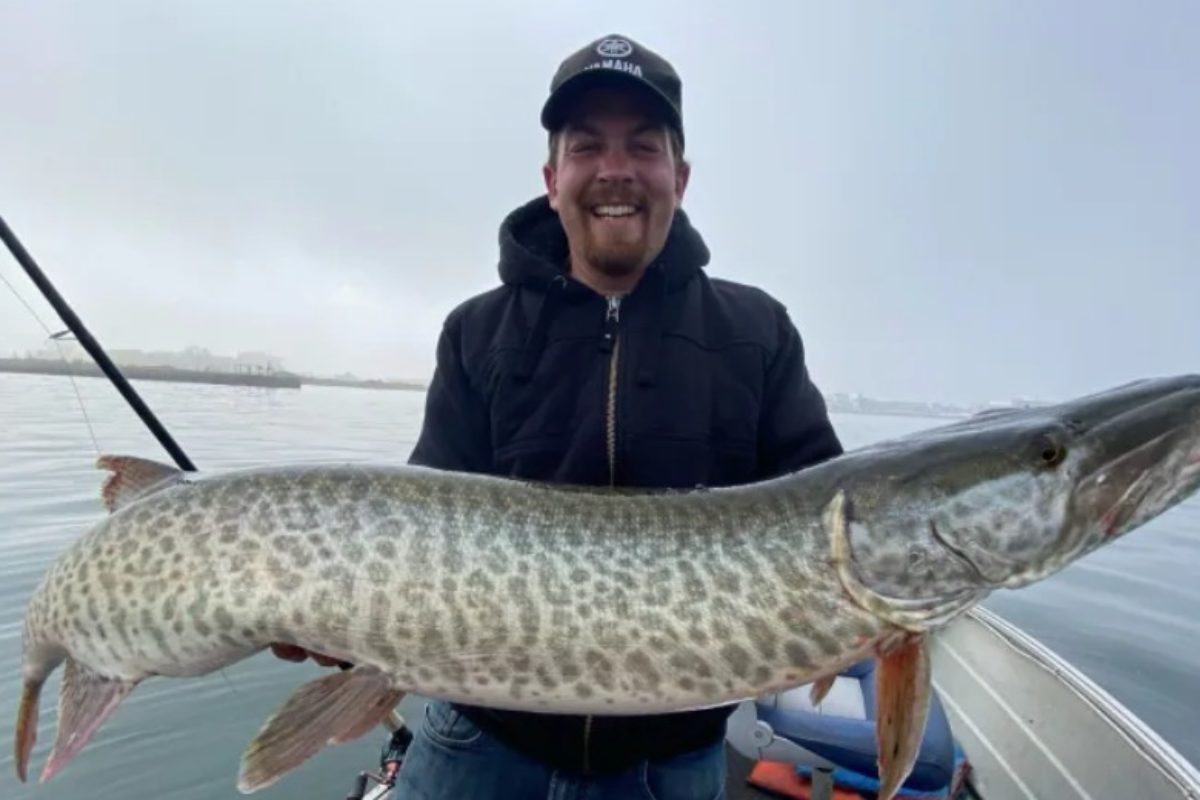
(614, 48)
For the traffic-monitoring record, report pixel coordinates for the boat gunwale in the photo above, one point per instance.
(1149, 744)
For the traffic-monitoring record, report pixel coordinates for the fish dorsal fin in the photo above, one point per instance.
(133, 478)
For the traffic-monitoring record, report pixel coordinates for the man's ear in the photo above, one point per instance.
(550, 176)
(682, 173)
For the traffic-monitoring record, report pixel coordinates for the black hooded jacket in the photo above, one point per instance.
(688, 381)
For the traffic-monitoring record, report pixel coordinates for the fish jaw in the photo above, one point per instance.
(1011, 498)
(1138, 465)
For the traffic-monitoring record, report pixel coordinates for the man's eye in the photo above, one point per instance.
(584, 147)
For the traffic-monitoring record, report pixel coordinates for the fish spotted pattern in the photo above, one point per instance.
(519, 595)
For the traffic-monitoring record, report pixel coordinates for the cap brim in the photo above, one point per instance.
(558, 104)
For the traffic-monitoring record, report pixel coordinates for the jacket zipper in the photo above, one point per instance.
(612, 340)
(612, 344)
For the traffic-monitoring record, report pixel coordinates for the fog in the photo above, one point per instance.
(956, 202)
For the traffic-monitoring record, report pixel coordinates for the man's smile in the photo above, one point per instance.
(614, 210)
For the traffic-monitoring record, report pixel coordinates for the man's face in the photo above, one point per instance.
(614, 182)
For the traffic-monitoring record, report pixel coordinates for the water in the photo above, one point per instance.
(1127, 615)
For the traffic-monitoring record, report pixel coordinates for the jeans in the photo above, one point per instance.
(452, 759)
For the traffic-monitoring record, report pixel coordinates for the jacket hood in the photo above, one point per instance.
(533, 248)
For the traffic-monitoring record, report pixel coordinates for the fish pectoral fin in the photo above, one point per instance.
(86, 699)
(333, 709)
(133, 478)
(820, 688)
(902, 690)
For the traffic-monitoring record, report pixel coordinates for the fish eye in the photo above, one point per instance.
(1050, 451)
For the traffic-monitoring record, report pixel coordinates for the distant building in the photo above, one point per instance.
(190, 358)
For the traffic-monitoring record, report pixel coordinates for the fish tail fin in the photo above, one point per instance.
(330, 710)
(87, 699)
(40, 660)
(27, 719)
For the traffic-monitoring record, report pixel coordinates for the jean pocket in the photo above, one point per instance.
(699, 775)
(447, 726)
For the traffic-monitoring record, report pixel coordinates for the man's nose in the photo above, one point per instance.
(616, 165)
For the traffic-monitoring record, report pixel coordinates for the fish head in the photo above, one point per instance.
(1137, 455)
(1006, 498)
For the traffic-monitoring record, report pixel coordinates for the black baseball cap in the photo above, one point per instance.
(618, 60)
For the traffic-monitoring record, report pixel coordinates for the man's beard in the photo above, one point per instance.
(612, 254)
(616, 260)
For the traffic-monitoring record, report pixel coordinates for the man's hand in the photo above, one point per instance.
(290, 652)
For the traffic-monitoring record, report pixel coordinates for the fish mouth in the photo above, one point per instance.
(1143, 454)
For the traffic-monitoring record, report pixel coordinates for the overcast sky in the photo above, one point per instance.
(956, 201)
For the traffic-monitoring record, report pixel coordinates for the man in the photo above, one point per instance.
(607, 357)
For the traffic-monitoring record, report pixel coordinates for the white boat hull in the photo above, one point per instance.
(1034, 727)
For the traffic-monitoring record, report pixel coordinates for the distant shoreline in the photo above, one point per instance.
(265, 380)
(39, 366)
(289, 380)
(881, 412)
(354, 383)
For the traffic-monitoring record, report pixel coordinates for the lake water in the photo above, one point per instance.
(1128, 615)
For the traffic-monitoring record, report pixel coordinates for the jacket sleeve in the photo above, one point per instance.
(455, 433)
(794, 431)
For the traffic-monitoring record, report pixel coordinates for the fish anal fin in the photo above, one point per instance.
(87, 699)
(902, 690)
(133, 478)
(820, 688)
(27, 722)
(333, 709)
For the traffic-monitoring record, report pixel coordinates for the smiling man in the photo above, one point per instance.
(607, 357)
(616, 176)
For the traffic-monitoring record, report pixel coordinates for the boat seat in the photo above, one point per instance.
(839, 734)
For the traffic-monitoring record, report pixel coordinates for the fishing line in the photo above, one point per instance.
(93, 348)
(55, 337)
(107, 368)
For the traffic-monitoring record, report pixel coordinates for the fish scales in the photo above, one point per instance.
(520, 595)
(506, 594)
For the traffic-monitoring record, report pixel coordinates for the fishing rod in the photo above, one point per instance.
(85, 338)
(394, 721)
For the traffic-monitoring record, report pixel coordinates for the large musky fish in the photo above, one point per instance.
(571, 599)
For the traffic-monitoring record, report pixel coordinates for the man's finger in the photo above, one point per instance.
(289, 652)
(328, 661)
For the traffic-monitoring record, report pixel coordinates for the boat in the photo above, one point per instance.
(1025, 725)
(1016, 720)
(1036, 727)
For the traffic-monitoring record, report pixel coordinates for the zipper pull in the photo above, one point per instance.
(611, 317)
(614, 308)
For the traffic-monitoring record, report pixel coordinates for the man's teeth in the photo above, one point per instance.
(614, 211)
